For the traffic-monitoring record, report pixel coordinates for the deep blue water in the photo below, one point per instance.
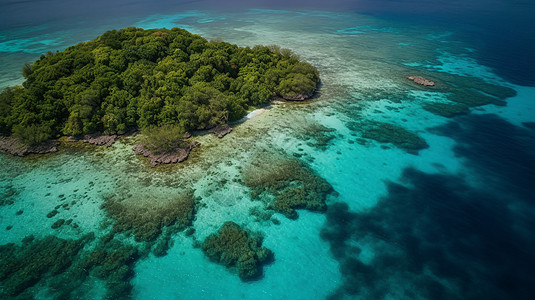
(442, 223)
(502, 30)
(454, 221)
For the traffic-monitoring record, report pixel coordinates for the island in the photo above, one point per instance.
(165, 81)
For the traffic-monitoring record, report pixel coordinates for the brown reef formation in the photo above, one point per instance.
(221, 130)
(299, 97)
(422, 81)
(97, 139)
(167, 157)
(15, 147)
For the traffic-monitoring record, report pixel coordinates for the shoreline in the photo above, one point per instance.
(14, 147)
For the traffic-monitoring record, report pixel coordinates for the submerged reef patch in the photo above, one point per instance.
(447, 110)
(22, 267)
(513, 151)
(460, 93)
(8, 195)
(63, 267)
(390, 133)
(233, 246)
(466, 92)
(112, 261)
(286, 184)
(315, 134)
(146, 219)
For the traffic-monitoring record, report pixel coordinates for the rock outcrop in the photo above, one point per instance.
(221, 130)
(168, 157)
(422, 81)
(96, 139)
(15, 147)
(100, 140)
(299, 97)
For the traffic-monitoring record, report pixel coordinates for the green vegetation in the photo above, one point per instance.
(144, 78)
(164, 138)
(233, 246)
(32, 134)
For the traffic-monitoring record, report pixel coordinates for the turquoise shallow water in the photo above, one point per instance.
(450, 221)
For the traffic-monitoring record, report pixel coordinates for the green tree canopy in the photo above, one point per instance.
(148, 78)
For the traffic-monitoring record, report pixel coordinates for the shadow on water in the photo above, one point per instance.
(435, 236)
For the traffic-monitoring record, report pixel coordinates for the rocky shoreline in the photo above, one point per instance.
(300, 97)
(97, 139)
(168, 157)
(15, 147)
(221, 130)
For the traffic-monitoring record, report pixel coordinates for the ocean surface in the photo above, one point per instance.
(454, 220)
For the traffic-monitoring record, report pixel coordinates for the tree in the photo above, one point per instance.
(159, 139)
(145, 78)
(32, 134)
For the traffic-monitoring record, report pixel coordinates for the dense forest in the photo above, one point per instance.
(136, 78)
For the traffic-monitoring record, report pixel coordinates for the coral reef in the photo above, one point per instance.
(233, 246)
(110, 260)
(221, 130)
(260, 214)
(21, 267)
(114, 262)
(421, 81)
(316, 135)
(7, 195)
(52, 213)
(471, 91)
(167, 157)
(394, 134)
(286, 184)
(146, 219)
(58, 223)
(64, 265)
(162, 246)
(446, 109)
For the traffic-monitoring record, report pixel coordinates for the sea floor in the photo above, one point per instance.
(428, 203)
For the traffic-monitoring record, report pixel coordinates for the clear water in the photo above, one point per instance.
(454, 221)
